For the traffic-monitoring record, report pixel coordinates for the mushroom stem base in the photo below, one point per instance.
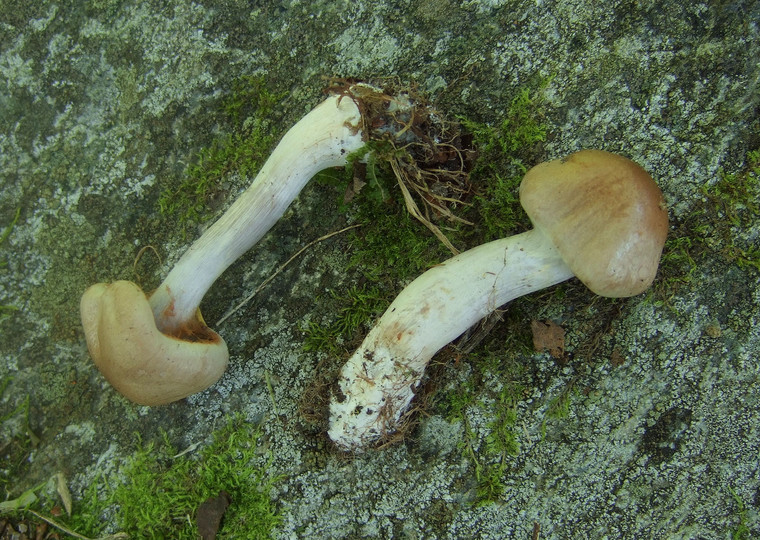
(378, 382)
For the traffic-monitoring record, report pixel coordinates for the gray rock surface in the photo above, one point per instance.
(101, 102)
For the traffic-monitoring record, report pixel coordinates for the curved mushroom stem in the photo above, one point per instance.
(379, 381)
(320, 140)
(159, 350)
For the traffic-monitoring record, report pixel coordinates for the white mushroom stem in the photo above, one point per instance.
(379, 381)
(321, 139)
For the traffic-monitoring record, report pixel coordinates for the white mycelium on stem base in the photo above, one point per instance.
(597, 216)
(159, 350)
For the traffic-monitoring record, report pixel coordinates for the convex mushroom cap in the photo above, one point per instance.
(597, 215)
(605, 215)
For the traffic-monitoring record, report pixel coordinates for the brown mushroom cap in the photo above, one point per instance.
(605, 215)
(146, 366)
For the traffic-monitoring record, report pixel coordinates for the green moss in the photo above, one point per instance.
(320, 337)
(15, 451)
(735, 206)
(559, 407)
(248, 109)
(388, 251)
(490, 483)
(741, 531)
(488, 449)
(158, 493)
(7, 309)
(391, 247)
(251, 100)
(488, 455)
(677, 267)
(505, 152)
(454, 403)
(715, 229)
(735, 194)
(502, 440)
(355, 308)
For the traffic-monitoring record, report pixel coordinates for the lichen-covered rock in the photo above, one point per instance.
(650, 429)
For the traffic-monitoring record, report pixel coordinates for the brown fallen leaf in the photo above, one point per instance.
(210, 514)
(353, 189)
(548, 336)
(616, 359)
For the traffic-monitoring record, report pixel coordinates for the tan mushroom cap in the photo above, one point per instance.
(146, 366)
(605, 215)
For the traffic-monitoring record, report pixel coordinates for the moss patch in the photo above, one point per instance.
(158, 492)
(716, 229)
(249, 110)
(7, 309)
(487, 444)
(391, 248)
(353, 309)
(505, 152)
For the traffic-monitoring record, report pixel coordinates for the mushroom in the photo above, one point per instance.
(143, 364)
(157, 350)
(596, 215)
